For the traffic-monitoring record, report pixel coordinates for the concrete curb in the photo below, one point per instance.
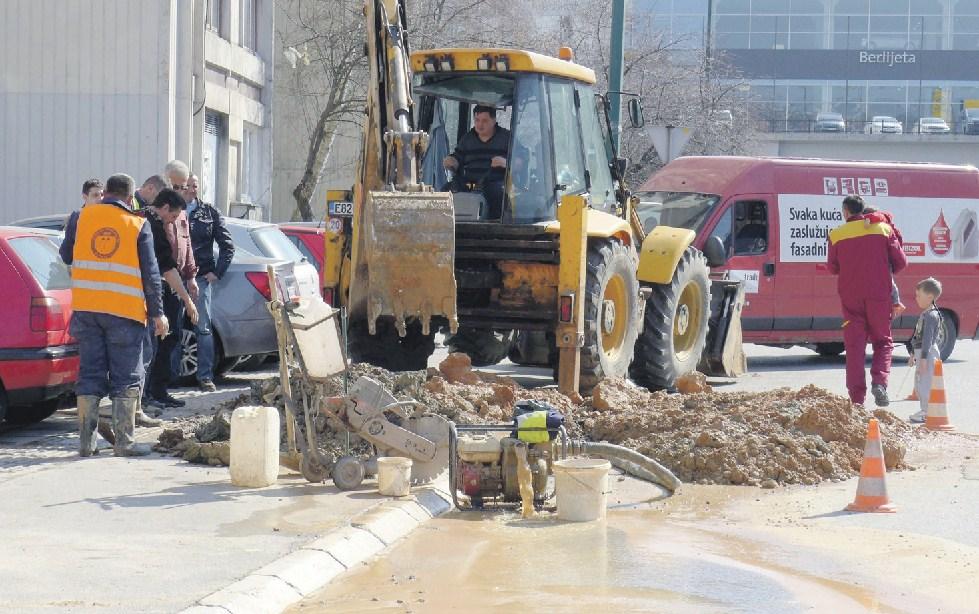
(283, 582)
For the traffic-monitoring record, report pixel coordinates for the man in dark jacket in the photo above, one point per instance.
(480, 158)
(206, 228)
(864, 256)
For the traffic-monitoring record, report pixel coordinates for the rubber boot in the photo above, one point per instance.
(143, 420)
(88, 419)
(124, 425)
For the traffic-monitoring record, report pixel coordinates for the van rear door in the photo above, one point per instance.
(745, 223)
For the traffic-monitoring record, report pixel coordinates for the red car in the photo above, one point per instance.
(38, 358)
(309, 238)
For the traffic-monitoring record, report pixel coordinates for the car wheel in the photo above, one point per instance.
(188, 357)
(28, 414)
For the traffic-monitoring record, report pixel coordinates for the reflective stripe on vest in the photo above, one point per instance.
(532, 420)
(105, 274)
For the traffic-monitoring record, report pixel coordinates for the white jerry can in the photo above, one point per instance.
(254, 446)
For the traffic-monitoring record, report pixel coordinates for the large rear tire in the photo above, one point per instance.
(611, 313)
(675, 330)
(484, 347)
(388, 350)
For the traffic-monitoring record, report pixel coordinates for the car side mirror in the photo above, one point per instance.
(715, 252)
(621, 165)
(635, 113)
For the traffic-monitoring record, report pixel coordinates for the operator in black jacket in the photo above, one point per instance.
(206, 228)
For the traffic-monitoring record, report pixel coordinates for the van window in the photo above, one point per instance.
(722, 230)
(750, 227)
(676, 209)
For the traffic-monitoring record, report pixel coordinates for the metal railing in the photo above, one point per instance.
(861, 127)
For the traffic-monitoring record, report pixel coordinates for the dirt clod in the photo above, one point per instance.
(692, 382)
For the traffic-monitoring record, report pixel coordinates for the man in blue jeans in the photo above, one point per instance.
(206, 228)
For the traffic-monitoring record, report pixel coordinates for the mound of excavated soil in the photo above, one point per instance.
(777, 437)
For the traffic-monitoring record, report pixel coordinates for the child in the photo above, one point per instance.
(876, 216)
(924, 343)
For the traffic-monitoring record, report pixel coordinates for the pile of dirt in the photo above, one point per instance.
(766, 439)
(781, 436)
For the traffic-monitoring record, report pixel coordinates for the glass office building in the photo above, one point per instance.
(903, 58)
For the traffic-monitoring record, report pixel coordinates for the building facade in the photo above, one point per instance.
(906, 59)
(93, 87)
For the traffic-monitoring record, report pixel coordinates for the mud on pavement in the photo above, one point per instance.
(766, 439)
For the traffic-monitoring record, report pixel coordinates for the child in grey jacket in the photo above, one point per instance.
(924, 343)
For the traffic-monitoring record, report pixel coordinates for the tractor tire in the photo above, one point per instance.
(483, 346)
(389, 351)
(611, 313)
(675, 329)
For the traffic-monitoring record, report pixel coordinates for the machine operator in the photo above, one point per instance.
(480, 158)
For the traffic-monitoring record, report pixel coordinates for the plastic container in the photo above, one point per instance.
(394, 476)
(581, 485)
(254, 446)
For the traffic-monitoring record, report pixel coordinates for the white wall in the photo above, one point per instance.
(77, 101)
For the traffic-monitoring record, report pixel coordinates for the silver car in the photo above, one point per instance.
(931, 125)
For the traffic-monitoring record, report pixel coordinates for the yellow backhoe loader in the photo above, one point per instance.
(558, 270)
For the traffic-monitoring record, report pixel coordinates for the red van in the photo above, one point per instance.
(773, 216)
(38, 358)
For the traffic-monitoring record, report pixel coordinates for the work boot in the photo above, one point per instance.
(143, 420)
(207, 386)
(880, 395)
(88, 420)
(169, 400)
(124, 425)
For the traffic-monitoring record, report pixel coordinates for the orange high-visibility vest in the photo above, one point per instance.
(105, 274)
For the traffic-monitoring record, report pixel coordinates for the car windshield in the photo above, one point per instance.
(883, 118)
(41, 257)
(273, 243)
(932, 120)
(830, 116)
(676, 209)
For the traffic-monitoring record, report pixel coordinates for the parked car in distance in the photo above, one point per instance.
(884, 124)
(38, 358)
(931, 125)
(829, 122)
(723, 117)
(55, 222)
(970, 121)
(263, 239)
(310, 238)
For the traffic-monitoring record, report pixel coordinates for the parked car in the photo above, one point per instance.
(55, 222)
(970, 121)
(309, 238)
(884, 124)
(268, 240)
(931, 125)
(38, 358)
(829, 122)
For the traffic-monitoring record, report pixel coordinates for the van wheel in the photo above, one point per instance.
(36, 412)
(948, 332)
(611, 313)
(829, 349)
(484, 347)
(389, 351)
(675, 330)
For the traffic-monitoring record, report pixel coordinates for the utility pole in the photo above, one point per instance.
(616, 50)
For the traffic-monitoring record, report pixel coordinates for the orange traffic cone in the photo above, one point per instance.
(937, 417)
(913, 396)
(871, 489)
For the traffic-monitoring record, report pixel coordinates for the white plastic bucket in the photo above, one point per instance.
(254, 446)
(581, 485)
(394, 476)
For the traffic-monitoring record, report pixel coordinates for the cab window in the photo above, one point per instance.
(750, 227)
(569, 168)
(602, 190)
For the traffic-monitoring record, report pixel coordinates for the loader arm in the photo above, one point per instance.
(403, 233)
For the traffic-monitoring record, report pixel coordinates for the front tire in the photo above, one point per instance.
(611, 313)
(388, 350)
(483, 346)
(675, 330)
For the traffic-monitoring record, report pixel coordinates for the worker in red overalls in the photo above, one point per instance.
(864, 256)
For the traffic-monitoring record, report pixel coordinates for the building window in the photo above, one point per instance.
(249, 24)
(214, 144)
(214, 11)
(251, 164)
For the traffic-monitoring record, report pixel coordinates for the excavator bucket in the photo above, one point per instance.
(724, 352)
(410, 255)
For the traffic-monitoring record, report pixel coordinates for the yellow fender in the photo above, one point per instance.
(661, 251)
(600, 225)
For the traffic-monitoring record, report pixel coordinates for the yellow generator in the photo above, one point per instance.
(490, 204)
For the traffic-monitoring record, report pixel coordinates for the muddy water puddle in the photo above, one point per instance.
(632, 562)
